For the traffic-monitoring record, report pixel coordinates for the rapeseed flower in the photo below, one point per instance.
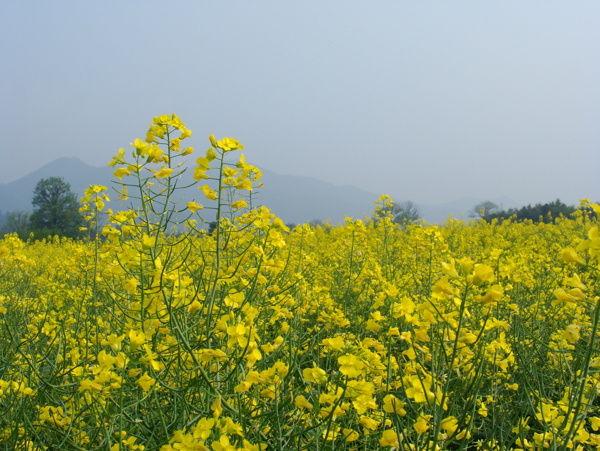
(360, 335)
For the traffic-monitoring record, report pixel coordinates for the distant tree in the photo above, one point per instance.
(212, 226)
(589, 211)
(482, 209)
(402, 213)
(55, 210)
(405, 212)
(547, 212)
(16, 222)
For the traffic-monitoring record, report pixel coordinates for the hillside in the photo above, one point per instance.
(295, 199)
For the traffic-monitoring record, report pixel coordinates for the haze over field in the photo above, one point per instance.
(295, 199)
(425, 101)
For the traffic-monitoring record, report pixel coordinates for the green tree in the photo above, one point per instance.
(547, 212)
(483, 209)
(55, 210)
(406, 212)
(16, 222)
(402, 213)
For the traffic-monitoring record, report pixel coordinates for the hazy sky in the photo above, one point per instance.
(429, 101)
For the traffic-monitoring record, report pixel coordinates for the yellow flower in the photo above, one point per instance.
(239, 204)
(145, 381)
(244, 184)
(302, 403)
(194, 306)
(350, 434)
(467, 337)
(571, 333)
(119, 173)
(209, 193)
(88, 384)
(228, 426)
(136, 337)
(203, 428)
(393, 332)
(422, 424)
(350, 365)
(106, 360)
(141, 147)
(194, 207)
(315, 375)
(223, 444)
(216, 407)
(389, 437)
(410, 353)
(450, 269)
(465, 264)
(569, 255)
(121, 360)
(207, 355)
(442, 289)
(156, 154)
(229, 171)
(237, 335)
(334, 344)
(118, 159)
(391, 404)
(228, 144)
(483, 411)
(419, 388)
(148, 241)
(150, 357)
(113, 341)
(449, 424)
(493, 295)
(575, 282)
(373, 326)
(131, 285)
(594, 423)
(163, 172)
(562, 296)
(482, 273)
(369, 423)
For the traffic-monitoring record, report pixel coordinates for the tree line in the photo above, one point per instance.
(55, 212)
(547, 213)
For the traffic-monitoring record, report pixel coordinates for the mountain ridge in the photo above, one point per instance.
(295, 199)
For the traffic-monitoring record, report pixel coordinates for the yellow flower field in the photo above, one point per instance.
(160, 335)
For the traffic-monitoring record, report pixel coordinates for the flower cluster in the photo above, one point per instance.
(210, 325)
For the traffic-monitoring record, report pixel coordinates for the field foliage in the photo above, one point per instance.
(158, 335)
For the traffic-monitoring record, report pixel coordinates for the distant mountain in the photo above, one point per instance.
(295, 199)
(17, 195)
(300, 199)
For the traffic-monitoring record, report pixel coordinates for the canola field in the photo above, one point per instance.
(158, 334)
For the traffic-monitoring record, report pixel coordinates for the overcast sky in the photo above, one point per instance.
(429, 101)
